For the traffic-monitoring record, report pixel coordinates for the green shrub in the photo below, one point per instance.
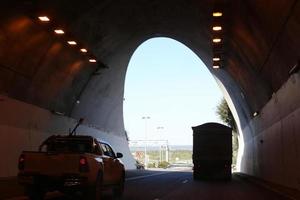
(163, 164)
(151, 165)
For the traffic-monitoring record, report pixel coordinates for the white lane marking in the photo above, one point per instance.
(185, 181)
(146, 176)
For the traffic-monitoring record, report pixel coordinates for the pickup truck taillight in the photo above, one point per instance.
(21, 164)
(83, 164)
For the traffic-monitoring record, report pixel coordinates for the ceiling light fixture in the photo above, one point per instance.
(216, 66)
(44, 18)
(216, 59)
(72, 42)
(83, 50)
(92, 60)
(217, 28)
(59, 31)
(217, 14)
(217, 40)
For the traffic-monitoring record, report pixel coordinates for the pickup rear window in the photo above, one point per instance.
(70, 146)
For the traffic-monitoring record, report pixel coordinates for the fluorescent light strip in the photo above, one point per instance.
(44, 18)
(217, 40)
(217, 14)
(92, 60)
(83, 50)
(72, 43)
(59, 31)
(217, 28)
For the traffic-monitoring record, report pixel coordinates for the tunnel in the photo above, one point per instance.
(50, 80)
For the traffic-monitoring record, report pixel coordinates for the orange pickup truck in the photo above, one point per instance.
(71, 164)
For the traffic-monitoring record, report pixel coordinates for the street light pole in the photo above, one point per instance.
(145, 150)
(160, 156)
(167, 151)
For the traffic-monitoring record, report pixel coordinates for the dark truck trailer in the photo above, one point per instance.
(212, 151)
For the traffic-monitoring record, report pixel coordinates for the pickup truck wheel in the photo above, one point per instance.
(94, 193)
(119, 190)
(98, 189)
(34, 192)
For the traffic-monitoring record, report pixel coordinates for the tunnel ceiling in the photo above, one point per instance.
(260, 43)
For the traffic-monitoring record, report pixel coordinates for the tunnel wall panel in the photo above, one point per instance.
(248, 160)
(24, 127)
(11, 147)
(272, 145)
(102, 99)
(273, 151)
(297, 135)
(290, 150)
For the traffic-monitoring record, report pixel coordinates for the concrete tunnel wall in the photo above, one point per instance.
(273, 139)
(261, 47)
(23, 127)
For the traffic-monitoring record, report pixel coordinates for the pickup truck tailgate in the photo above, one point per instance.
(55, 164)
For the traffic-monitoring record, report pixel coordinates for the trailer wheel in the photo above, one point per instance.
(229, 177)
(196, 176)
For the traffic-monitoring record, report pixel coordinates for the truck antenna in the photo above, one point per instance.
(74, 130)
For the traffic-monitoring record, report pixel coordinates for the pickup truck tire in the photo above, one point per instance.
(34, 192)
(119, 189)
(94, 193)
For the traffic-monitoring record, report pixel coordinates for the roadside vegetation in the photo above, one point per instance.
(226, 116)
(175, 156)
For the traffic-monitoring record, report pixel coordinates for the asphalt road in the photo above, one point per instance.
(180, 185)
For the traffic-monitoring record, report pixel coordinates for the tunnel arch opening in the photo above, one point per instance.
(164, 79)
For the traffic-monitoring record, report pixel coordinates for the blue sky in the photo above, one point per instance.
(166, 81)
